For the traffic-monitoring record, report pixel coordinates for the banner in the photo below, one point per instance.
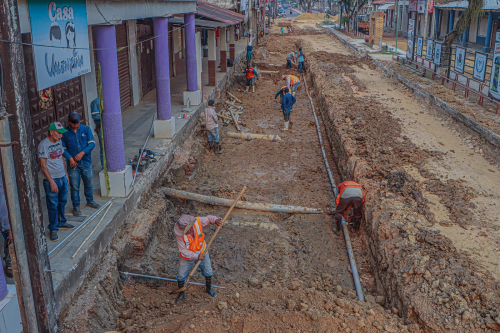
(412, 7)
(409, 44)
(460, 60)
(61, 27)
(430, 7)
(494, 88)
(420, 46)
(421, 6)
(243, 5)
(429, 53)
(480, 66)
(437, 54)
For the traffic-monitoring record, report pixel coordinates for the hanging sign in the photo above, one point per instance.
(429, 53)
(421, 6)
(61, 27)
(430, 7)
(243, 6)
(460, 60)
(410, 40)
(437, 54)
(495, 71)
(420, 45)
(480, 66)
(412, 6)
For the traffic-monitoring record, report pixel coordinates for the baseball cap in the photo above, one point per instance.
(56, 126)
(74, 117)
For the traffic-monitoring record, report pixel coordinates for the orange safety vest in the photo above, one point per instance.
(293, 79)
(347, 184)
(250, 74)
(283, 90)
(198, 244)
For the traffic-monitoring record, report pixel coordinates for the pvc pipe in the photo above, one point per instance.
(250, 136)
(350, 253)
(59, 246)
(241, 204)
(142, 150)
(165, 279)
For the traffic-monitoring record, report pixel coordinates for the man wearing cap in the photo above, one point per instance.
(55, 183)
(191, 243)
(79, 142)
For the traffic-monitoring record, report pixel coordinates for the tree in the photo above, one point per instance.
(352, 7)
(472, 13)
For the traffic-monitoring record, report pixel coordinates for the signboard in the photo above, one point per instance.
(421, 6)
(410, 41)
(420, 46)
(61, 27)
(412, 7)
(430, 7)
(495, 71)
(460, 60)
(437, 54)
(243, 6)
(480, 66)
(429, 53)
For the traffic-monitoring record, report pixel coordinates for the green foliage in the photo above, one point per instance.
(344, 19)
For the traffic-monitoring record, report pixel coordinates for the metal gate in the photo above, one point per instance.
(148, 75)
(51, 104)
(123, 66)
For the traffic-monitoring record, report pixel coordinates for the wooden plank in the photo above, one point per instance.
(235, 98)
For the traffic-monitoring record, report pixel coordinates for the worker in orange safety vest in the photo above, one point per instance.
(191, 243)
(350, 195)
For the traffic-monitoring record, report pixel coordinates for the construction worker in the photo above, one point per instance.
(300, 60)
(249, 54)
(251, 74)
(280, 93)
(191, 243)
(350, 195)
(290, 58)
(212, 127)
(286, 105)
(292, 82)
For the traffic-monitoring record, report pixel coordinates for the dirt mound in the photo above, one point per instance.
(310, 17)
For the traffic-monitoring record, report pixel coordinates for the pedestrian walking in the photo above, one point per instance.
(96, 115)
(292, 82)
(79, 142)
(250, 74)
(212, 127)
(300, 60)
(286, 106)
(55, 182)
(191, 243)
(290, 58)
(350, 196)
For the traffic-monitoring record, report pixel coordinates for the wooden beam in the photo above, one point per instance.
(235, 98)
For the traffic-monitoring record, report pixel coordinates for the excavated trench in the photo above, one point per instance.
(289, 272)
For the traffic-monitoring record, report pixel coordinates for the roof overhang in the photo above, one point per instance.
(385, 7)
(213, 12)
(212, 25)
(487, 5)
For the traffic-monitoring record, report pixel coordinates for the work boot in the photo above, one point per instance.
(65, 226)
(291, 124)
(253, 89)
(356, 223)
(53, 236)
(218, 148)
(286, 126)
(208, 283)
(339, 226)
(211, 146)
(77, 211)
(180, 298)
(246, 89)
(93, 204)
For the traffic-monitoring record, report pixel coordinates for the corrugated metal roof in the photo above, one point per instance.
(199, 23)
(216, 13)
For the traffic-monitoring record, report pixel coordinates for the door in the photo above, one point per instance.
(123, 66)
(145, 36)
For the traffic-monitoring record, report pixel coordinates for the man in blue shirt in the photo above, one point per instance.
(96, 115)
(300, 59)
(79, 142)
(286, 105)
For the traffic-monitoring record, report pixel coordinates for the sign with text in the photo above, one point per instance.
(429, 53)
(437, 53)
(495, 71)
(420, 46)
(410, 40)
(430, 7)
(59, 32)
(421, 6)
(460, 60)
(480, 66)
(412, 6)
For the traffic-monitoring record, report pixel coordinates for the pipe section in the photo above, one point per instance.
(251, 136)
(164, 279)
(241, 204)
(350, 253)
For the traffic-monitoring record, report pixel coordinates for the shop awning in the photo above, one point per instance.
(385, 7)
(487, 5)
(213, 12)
(179, 21)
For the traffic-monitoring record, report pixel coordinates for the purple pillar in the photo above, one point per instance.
(191, 75)
(160, 25)
(105, 41)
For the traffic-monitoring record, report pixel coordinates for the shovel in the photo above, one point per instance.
(209, 243)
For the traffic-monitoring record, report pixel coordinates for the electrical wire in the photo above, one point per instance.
(99, 10)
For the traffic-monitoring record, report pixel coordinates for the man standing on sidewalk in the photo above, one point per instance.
(79, 142)
(55, 183)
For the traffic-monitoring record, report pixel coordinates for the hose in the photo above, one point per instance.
(350, 253)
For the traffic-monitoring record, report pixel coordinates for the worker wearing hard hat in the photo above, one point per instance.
(292, 82)
(350, 195)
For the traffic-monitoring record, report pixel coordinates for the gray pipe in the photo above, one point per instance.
(241, 204)
(142, 150)
(350, 253)
(165, 279)
(16, 224)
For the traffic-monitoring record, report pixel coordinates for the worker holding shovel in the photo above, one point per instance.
(191, 242)
(286, 105)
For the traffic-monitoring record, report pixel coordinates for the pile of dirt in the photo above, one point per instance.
(310, 17)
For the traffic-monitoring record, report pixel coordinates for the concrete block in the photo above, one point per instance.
(120, 183)
(194, 97)
(164, 129)
(10, 315)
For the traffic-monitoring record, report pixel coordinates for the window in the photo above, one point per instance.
(482, 26)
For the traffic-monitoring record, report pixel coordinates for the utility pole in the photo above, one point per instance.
(25, 162)
(250, 22)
